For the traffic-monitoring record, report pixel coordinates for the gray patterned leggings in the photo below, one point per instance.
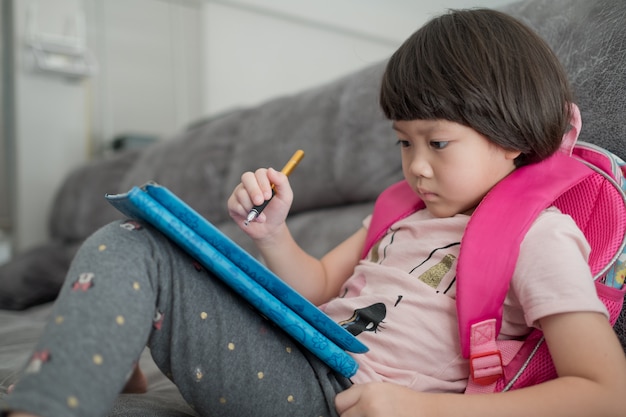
(128, 286)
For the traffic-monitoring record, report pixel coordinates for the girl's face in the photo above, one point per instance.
(450, 166)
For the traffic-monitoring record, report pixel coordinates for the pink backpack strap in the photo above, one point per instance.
(490, 248)
(393, 204)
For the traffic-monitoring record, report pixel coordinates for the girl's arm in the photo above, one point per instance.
(588, 358)
(316, 279)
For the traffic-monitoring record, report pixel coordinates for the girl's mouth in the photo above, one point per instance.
(426, 195)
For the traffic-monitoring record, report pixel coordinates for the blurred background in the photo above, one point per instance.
(82, 78)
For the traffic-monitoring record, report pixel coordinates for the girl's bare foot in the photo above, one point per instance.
(136, 384)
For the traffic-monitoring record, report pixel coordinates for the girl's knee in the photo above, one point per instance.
(122, 233)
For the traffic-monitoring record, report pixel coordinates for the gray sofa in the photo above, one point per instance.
(350, 158)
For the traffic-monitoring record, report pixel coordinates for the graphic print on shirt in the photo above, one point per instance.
(368, 319)
(374, 252)
(405, 264)
(433, 275)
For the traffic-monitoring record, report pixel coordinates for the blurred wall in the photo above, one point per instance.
(48, 122)
(82, 73)
(255, 49)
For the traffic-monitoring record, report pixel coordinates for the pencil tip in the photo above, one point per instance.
(251, 216)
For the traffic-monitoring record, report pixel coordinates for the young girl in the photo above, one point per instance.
(472, 95)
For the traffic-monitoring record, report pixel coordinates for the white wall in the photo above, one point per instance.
(50, 125)
(255, 49)
(148, 78)
(150, 66)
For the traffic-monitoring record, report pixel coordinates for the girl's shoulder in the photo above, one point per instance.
(551, 225)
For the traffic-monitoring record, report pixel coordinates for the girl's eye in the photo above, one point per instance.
(403, 143)
(436, 144)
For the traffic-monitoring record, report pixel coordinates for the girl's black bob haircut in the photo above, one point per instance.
(486, 70)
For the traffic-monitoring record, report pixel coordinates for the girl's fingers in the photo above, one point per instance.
(257, 185)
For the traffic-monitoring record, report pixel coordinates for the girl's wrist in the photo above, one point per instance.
(273, 240)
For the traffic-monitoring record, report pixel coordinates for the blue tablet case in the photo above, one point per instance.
(302, 320)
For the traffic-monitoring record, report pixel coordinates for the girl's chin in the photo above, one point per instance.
(441, 210)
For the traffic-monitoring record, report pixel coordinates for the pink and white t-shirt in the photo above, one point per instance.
(400, 301)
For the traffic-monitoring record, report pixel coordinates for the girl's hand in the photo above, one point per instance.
(254, 189)
(380, 399)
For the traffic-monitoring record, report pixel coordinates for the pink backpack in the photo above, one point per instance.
(587, 183)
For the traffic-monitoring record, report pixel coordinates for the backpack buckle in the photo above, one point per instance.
(486, 367)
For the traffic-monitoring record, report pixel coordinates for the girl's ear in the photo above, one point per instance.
(511, 155)
(571, 136)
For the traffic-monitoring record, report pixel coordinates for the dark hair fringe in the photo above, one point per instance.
(486, 70)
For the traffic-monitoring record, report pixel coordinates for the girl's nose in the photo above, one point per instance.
(420, 167)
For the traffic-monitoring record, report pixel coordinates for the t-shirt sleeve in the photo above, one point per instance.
(552, 275)
(367, 221)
